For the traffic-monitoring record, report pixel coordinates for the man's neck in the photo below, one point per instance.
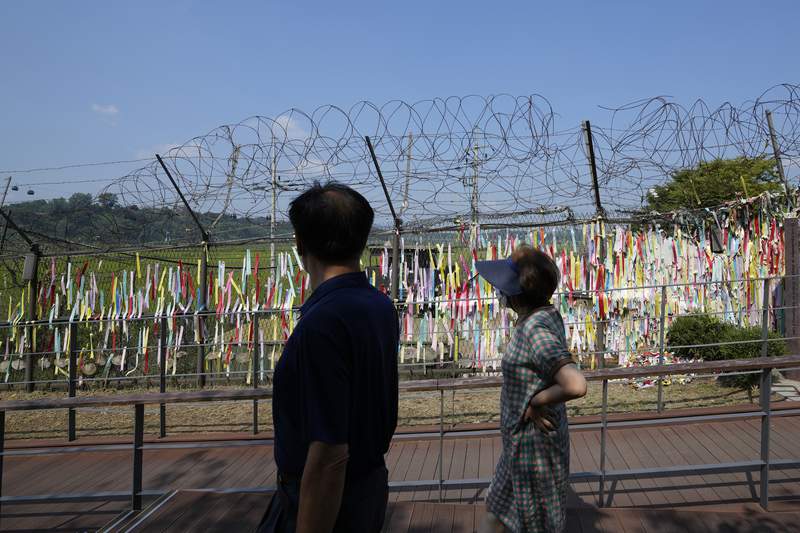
(323, 273)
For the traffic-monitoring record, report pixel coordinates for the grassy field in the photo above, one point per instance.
(461, 407)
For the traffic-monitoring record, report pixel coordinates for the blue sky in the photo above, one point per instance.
(100, 81)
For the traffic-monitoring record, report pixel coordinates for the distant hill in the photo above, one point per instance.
(103, 221)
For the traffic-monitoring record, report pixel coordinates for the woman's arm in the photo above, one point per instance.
(569, 385)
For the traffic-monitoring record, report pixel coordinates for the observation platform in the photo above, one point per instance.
(231, 469)
(721, 469)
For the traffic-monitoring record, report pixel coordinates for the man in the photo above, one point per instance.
(334, 403)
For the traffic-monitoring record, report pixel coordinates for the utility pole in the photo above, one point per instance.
(777, 153)
(475, 223)
(404, 207)
(474, 200)
(274, 172)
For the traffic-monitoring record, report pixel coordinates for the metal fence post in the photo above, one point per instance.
(162, 377)
(2, 450)
(661, 327)
(441, 442)
(764, 397)
(603, 436)
(72, 346)
(32, 274)
(138, 441)
(202, 305)
(255, 365)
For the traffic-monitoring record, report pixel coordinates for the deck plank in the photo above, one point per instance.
(415, 465)
(400, 469)
(471, 467)
(421, 517)
(456, 468)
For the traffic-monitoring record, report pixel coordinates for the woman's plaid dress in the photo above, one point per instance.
(529, 489)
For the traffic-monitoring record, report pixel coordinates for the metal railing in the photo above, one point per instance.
(763, 464)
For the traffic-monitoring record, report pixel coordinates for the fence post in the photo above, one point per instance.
(441, 442)
(602, 325)
(255, 365)
(587, 137)
(162, 377)
(600, 347)
(30, 275)
(72, 346)
(200, 324)
(791, 289)
(138, 441)
(661, 328)
(776, 151)
(764, 397)
(603, 437)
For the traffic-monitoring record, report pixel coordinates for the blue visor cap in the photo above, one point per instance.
(502, 274)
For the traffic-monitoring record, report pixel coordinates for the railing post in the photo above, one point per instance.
(661, 328)
(254, 358)
(603, 436)
(72, 346)
(162, 377)
(765, 391)
(2, 451)
(138, 441)
(441, 442)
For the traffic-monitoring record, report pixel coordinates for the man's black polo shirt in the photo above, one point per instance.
(336, 381)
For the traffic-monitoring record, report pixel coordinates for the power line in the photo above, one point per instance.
(74, 165)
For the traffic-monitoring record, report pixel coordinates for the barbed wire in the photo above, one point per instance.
(432, 151)
(513, 151)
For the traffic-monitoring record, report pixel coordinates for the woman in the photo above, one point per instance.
(529, 488)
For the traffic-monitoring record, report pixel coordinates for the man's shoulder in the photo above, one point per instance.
(355, 297)
(347, 304)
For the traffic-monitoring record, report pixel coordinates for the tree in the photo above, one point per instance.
(107, 200)
(715, 182)
(80, 200)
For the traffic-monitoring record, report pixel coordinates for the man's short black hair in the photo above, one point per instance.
(332, 222)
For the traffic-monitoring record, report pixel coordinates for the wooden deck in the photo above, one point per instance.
(215, 512)
(714, 499)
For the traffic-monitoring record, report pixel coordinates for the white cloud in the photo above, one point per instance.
(289, 127)
(109, 110)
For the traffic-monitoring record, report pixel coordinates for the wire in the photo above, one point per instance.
(74, 165)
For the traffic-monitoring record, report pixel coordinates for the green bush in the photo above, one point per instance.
(694, 330)
(747, 349)
(735, 343)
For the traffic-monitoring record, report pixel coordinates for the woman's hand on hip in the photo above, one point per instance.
(541, 418)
